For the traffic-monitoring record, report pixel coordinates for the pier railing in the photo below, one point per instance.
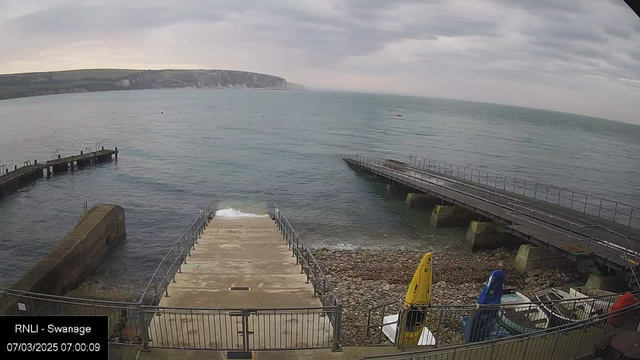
(322, 288)
(589, 204)
(171, 264)
(570, 341)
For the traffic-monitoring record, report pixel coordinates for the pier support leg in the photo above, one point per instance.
(489, 235)
(444, 216)
(533, 257)
(611, 283)
(422, 201)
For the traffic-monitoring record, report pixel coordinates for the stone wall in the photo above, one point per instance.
(77, 254)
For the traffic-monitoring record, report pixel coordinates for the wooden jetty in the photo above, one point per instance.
(20, 176)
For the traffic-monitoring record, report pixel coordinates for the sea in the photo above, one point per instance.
(245, 150)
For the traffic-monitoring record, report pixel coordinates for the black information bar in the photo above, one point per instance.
(54, 337)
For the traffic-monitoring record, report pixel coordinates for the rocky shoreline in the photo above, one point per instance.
(366, 278)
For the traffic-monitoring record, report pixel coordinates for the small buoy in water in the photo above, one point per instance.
(161, 112)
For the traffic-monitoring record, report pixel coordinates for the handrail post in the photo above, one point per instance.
(337, 328)
(546, 196)
(600, 207)
(608, 244)
(571, 205)
(166, 288)
(586, 201)
(302, 262)
(143, 329)
(315, 281)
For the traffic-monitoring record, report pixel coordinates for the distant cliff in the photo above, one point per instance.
(61, 82)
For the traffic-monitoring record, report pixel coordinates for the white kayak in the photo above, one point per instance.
(390, 330)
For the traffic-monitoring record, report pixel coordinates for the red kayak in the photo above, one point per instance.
(625, 300)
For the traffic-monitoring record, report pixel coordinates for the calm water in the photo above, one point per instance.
(180, 149)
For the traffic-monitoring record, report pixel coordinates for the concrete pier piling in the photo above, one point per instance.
(531, 257)
(421, 201)
(443, 216)
(489, 235)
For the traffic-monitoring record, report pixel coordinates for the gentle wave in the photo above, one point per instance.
(233, 213)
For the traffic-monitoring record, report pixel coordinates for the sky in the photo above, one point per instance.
(578, 56)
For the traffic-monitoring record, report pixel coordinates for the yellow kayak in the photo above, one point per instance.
(417, 299)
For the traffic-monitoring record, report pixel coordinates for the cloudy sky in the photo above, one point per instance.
(580, 56)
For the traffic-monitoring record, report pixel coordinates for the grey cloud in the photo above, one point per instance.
(621, 33)
(572, 7)
(558, 43)
(105, 18)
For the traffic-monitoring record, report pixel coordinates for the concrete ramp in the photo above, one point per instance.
(252, 294)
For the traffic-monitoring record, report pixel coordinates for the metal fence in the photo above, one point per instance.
(172, 262)
(571, 341)
(240, 329)
(608, 246)
(589, 204)
(449, 325)
(310, 267)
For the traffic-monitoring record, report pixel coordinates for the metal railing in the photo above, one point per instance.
(240, 329)
(322, 288)
(459, 324)
(172, 262)
(540, 226)
(571, 341)
(190, 328)
(589, 204)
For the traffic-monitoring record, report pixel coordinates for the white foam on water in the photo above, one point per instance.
(233, 213)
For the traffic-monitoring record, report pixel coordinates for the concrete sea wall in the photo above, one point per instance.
(78, 253)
